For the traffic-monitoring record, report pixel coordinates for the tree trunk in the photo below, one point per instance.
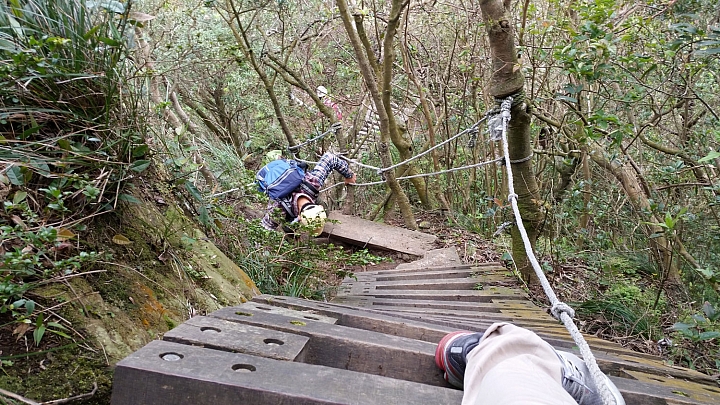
(371, 83)
(506, 80)
(232, 17)
(660, 246)
(168, 115)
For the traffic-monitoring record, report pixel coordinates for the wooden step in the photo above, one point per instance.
(374, 343)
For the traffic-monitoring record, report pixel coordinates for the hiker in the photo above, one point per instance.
(322, 94)
(511, 365)
(298, 204)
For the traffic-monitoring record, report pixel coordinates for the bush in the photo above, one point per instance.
(64, 157)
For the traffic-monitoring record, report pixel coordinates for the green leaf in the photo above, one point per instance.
(109, 41)
(92, 32)
(29, 307)
(109, 5)
(29, 132)
(19, 197)
(707, 273)
(571, 100)
(680, 326)
(17, 28)
(140, 165)
(15, 175)
(64, 144)
(128, 198)
(711, 156)
(699, 318)
(709, 335)
(41, 167)
(56, 325)
(38, 334)
(39, 329)
(140, 151)
(193, 191)
(573, 89)
(18, 304)
(669, 221)
(710, 311)
(204, 216)
(707, 52)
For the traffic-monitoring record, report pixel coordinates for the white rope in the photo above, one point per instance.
(333, 128)
(559, 309)
(454, 169)
(472, 129)
(355, 162)
(292, 149)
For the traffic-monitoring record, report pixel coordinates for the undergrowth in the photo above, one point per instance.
(65, 154)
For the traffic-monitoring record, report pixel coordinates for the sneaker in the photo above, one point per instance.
(578, 382)
(451, 355)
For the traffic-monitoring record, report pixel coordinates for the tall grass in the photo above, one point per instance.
(63, 154)
(59, 62)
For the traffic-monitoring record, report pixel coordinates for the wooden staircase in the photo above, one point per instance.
(373, 344)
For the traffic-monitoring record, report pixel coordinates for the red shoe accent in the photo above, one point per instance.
(441, 348)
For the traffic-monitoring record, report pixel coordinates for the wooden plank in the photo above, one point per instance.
(360, 232)
(475, 315)
(233, 337)
(492, 306)
(435, 257)
(210, 377)
(611, 357)
(479, 267)
(352, 349)
(486, 295)
(279, 310)
(437, 275)
(359, 319)
(661, 392)
(440, 284)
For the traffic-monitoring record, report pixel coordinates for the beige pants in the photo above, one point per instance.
(512, 365)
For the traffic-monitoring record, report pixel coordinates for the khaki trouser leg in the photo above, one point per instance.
(512, 365)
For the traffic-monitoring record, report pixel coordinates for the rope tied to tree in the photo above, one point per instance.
(454, 169)
(559, 309)
(470, 130)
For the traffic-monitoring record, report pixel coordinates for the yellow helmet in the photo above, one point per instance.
(313, 216)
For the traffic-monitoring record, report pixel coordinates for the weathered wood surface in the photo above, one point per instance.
(359, 232)
(374, 344)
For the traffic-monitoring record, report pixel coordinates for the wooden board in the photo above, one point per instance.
(360, 232)
(373, 344)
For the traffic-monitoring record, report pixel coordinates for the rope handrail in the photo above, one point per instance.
(454, 169)
(559, 309)
(471, 129)
(379, 170)
(333, 128)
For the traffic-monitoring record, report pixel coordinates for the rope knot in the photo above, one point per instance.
(559, 307)
(512, 196)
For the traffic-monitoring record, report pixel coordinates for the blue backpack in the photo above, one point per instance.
(279, 178)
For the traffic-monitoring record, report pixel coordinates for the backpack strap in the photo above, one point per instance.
(309, 189)
(286, 204)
